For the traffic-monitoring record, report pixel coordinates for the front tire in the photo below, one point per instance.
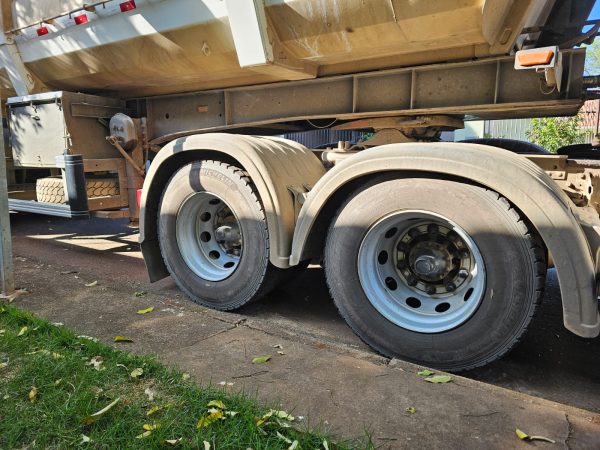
(436, 272)
(213, 236)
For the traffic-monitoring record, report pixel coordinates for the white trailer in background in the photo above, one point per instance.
(434, 252)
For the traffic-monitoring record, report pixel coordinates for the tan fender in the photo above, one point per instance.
(273, 164)
(513, 176)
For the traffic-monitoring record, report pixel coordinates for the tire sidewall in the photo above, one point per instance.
(509, 297)
(225, 182)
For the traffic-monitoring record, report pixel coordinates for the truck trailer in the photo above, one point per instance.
(169, 112)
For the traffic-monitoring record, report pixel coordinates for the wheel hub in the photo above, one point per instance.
(209, 236)
(421, 271)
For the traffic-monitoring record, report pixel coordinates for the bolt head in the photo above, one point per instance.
(450, 287)
(464, 254)
(430, 290)
(411, 280)
(463, 273)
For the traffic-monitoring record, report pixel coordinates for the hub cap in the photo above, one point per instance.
(209, 236)
(421, 271)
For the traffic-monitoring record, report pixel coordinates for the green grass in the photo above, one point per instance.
(54, 361)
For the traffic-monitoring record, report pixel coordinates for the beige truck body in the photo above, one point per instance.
(174, 46)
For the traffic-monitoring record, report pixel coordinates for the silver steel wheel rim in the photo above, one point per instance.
(407, 255)
(209, 236)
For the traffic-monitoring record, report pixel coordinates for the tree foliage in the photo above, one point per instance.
(555, 132)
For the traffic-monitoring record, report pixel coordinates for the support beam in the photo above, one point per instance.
(7, 280)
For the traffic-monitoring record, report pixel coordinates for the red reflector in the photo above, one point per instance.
(128, 6)
(139, 197)
(42, 31)
(80, 20)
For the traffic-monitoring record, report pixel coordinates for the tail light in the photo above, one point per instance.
(128, 6)
(42, 31)
(81, 19)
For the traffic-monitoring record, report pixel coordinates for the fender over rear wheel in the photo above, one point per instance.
(437, 272)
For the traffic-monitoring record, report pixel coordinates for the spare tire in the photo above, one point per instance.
(52, 189)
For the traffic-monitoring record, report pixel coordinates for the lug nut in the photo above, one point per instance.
(411, 280)
(430, 290)
(463, 273)
(464, 254)
(450, 287)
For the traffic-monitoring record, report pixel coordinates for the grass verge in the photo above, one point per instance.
(53, 381)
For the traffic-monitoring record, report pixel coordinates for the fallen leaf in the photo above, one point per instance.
(231, 413)
(153, 410)
(261, 359)
(206, 445)
(23, 331)
(92, 284)
(122, 339)
(411, 410)
(283, 438)
(281, 353)
(96, 361)
(172, 442)
(210, 418)
(217, 404)
(85, 439)
(274, 413)
(57, 382)
(58, 324)
(144, 435)
(136, 373)
(3, 365)
(150, 427)
(325, 445)
(150, 393)
(185, 376)
(97, 415)
(33, 394)
(439, 379)
(278, 346)
(425, 373)
(139, 293)
(145, 311)
(2, 332)
(525, 437)
(294, 445)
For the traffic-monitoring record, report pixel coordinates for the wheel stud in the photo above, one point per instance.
(463, 273)
(430, 290)
(450, 287)
(411, 280)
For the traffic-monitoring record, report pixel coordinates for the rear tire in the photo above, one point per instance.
(402, 255)
(213, 236)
